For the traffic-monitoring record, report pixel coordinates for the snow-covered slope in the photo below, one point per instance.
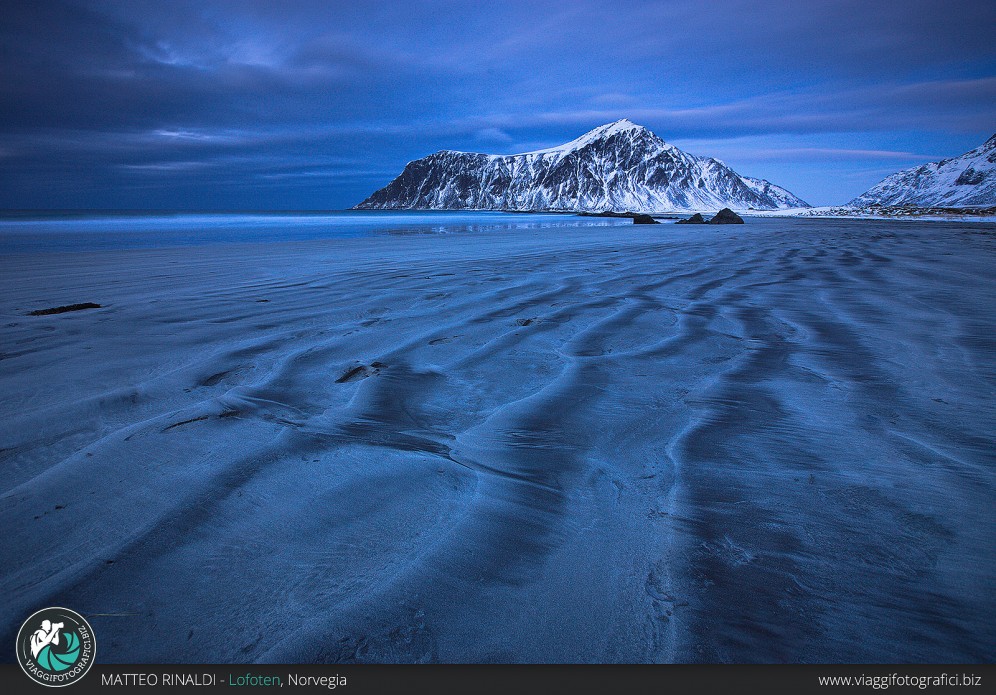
(620, 166)
(968, 180)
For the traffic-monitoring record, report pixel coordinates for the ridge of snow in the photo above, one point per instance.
(602, 132)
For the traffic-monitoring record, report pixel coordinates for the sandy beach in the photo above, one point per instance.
(761, 443)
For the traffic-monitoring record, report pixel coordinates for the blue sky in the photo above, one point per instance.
(313, 105)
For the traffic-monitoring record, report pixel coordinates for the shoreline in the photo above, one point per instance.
(926, 214)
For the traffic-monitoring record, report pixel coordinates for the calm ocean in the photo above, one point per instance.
(34, 231)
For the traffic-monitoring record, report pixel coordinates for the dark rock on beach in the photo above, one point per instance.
(64, 309)
(726, 216)
(694, 219)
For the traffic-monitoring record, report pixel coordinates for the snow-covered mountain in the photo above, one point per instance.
(620, 166)
(968, 180)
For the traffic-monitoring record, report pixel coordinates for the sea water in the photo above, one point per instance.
(31, 231)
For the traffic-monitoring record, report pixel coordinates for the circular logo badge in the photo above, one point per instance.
(55, 647)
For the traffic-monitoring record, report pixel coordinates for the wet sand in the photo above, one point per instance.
(767, 443)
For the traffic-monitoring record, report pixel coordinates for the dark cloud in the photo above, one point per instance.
(312, 104)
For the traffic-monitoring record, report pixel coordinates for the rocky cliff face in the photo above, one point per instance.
(620, 166)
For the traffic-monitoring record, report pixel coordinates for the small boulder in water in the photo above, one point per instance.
(644, 219)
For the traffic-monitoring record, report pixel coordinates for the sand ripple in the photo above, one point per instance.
(767, 444)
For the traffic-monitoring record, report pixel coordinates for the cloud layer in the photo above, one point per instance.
(314, 104)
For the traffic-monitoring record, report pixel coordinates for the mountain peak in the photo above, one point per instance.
(620, 125)
(602, 132)
(616, 166)
(623, 125)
